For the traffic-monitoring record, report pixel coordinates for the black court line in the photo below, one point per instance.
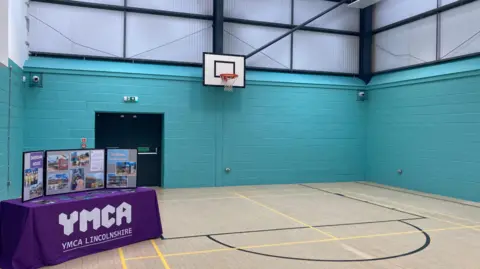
(363, 201)
(291, 228)
(421, 195)
(424, 246)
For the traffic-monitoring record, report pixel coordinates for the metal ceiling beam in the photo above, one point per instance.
(291, 26)
(218, 26)
(126, 9)
(366, 44)
(294, 29)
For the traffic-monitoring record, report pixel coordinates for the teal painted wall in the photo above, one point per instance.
(426, 121)
(4, 93)
(282, 128)
(17, 127)
(11, 149)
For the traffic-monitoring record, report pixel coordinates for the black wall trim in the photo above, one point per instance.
(128, 60)
(127, 9)
(107, 58)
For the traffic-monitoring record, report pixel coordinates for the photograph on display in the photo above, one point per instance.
(77, 176)
(95, 181)
(80, 158)
(72, 171)
(114, 181)
(126, 169)
(57, 183)
(122, 168)
(57, 162)
(32, 175)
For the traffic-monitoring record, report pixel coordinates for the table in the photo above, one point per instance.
(33, 234)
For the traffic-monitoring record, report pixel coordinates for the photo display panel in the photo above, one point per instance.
(121, 168)
(32, 178)
(75, 170)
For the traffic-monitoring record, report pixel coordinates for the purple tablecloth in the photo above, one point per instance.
(33, 235)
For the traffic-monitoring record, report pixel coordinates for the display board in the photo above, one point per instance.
(75, 170)
(122, 168)
(32, 175)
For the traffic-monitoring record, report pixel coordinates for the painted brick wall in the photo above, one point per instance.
(278, 134)
(427, 122)
(17, 127)
(283, 128)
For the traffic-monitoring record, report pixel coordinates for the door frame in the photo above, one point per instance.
(162, 153)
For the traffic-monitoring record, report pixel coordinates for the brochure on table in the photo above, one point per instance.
(122, 168)
(70, 171)
(32, 175)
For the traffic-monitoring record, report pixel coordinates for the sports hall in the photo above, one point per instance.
(276, 133)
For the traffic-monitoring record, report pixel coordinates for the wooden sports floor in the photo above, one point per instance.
(332, 225)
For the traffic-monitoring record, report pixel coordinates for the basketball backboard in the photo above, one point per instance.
(216, 64)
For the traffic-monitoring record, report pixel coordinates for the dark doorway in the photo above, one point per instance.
(134, 131)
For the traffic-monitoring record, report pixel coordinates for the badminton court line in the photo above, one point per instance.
(413, 193)
(286, 216)
(234, 197)
(160, 255)
(363, 201)
(290, 228)
(319, 241)
(412, 206)
(429, 215)
(122, 258)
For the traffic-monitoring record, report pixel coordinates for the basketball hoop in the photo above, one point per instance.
(228, 80)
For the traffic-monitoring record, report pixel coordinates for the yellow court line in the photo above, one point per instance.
(423, 209)
(286, 216)
(122, 258)
(198, 199)
(316, 241)
(160, 255)
(283, 195)
(236, 197)
(141, 258)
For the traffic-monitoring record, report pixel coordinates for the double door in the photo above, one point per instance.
(143, 132)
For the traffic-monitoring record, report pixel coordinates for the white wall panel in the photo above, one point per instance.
(17, 32)
(167, 38)
(325, 52)
(108, 2)
(341, 18)
(410, 44)
(261, 10)
(100, 30)
(204, 7)
(242, 39)
(3, 33)
(446, 2)
(389, 11)
(460, 30)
